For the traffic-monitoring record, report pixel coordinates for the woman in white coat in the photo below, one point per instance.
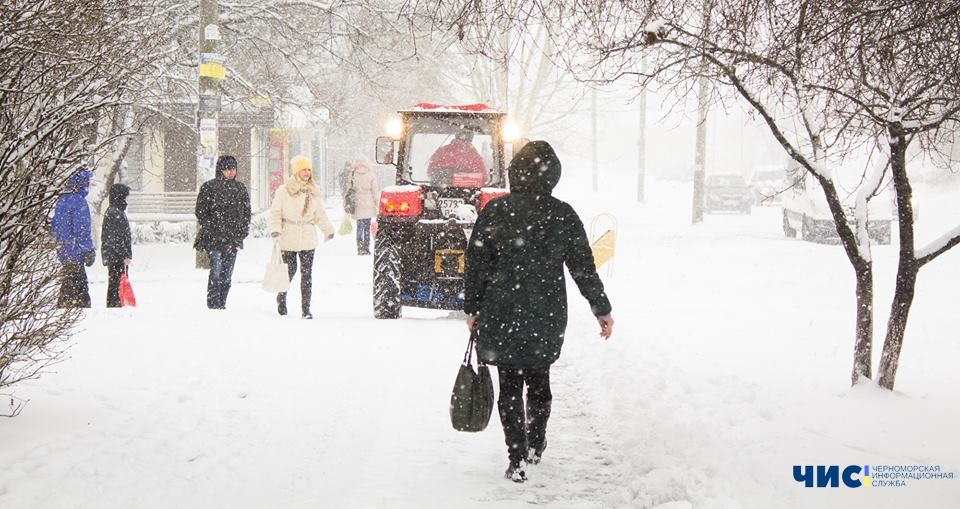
(366, 193)
(296, 212)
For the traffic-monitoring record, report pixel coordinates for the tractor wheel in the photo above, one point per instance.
(386, 279)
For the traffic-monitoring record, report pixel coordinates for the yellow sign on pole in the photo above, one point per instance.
(213, 70)
(211, 66)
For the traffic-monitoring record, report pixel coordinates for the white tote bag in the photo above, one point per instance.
(275, 277)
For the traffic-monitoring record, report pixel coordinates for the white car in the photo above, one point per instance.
(805, 211)
(767, 186)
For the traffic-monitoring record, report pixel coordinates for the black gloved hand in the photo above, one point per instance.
(274, 234)
(89, 257)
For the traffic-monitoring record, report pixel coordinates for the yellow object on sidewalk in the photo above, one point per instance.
(346, 225)
(605, 246)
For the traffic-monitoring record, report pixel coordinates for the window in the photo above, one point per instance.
(439, 148)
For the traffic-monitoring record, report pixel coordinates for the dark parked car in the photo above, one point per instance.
(727, 192)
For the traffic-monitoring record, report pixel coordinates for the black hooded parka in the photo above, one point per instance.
(115, 240)
(514, 266)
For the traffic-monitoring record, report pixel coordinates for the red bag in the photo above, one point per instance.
(126, 292)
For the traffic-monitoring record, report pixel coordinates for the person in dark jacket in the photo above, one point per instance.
(515, 297)
(116, 244)
(71, 228)
(223, 221)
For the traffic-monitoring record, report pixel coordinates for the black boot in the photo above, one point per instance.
(516, 472)
(282, 303)
(306, 293)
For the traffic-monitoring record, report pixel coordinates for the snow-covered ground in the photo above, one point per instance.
(728, 365)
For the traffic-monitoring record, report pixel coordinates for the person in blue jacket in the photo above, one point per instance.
(71, 228)
(116, 245)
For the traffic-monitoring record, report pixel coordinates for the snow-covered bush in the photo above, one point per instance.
(160, 232)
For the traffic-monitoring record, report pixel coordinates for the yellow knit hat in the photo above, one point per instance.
(300, 163)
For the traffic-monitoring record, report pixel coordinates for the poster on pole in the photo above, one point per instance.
(205, 165)
(209, 103)
(208, 132)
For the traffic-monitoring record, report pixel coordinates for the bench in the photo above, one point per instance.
(169, 206)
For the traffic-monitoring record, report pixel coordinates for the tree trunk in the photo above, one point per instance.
(896, 325)
(907, 267)
(863, 344)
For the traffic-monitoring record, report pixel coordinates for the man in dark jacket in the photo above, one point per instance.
(116, 243)
(516, 294)
(223, 221)
(71, 227)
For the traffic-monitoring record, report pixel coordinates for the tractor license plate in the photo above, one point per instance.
(448, 261)
(449, 205)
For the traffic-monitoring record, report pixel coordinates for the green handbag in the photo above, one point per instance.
(471, 402)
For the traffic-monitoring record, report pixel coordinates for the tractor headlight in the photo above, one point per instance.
(393, 128)
(511, 131)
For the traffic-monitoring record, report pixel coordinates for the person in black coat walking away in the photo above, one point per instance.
(116, 244)
(223, 221)
(515, 297)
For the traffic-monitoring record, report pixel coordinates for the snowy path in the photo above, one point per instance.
(579, 469)
(186, 407)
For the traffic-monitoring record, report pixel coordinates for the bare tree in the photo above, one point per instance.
(349, 63)
(827, 78)
(505, 55)
(60, 78)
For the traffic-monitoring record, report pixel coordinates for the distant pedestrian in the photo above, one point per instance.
(343, 176)
(116, 244)
(366, 194)
(71, 228)
(296, 212)
(516, 297)
(223, 221)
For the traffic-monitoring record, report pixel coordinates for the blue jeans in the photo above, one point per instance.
(221, 272)
(363, 236)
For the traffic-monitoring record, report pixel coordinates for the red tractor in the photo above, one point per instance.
(450, 161)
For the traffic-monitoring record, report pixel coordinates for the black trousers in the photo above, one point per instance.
(74, 288)
(113, 284)
(524, 424)
(306, 275)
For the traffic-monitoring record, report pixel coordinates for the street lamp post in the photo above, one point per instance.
(700, 157)
(210, 71)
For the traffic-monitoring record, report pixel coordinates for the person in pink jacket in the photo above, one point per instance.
(295, 214)
(366, 194)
